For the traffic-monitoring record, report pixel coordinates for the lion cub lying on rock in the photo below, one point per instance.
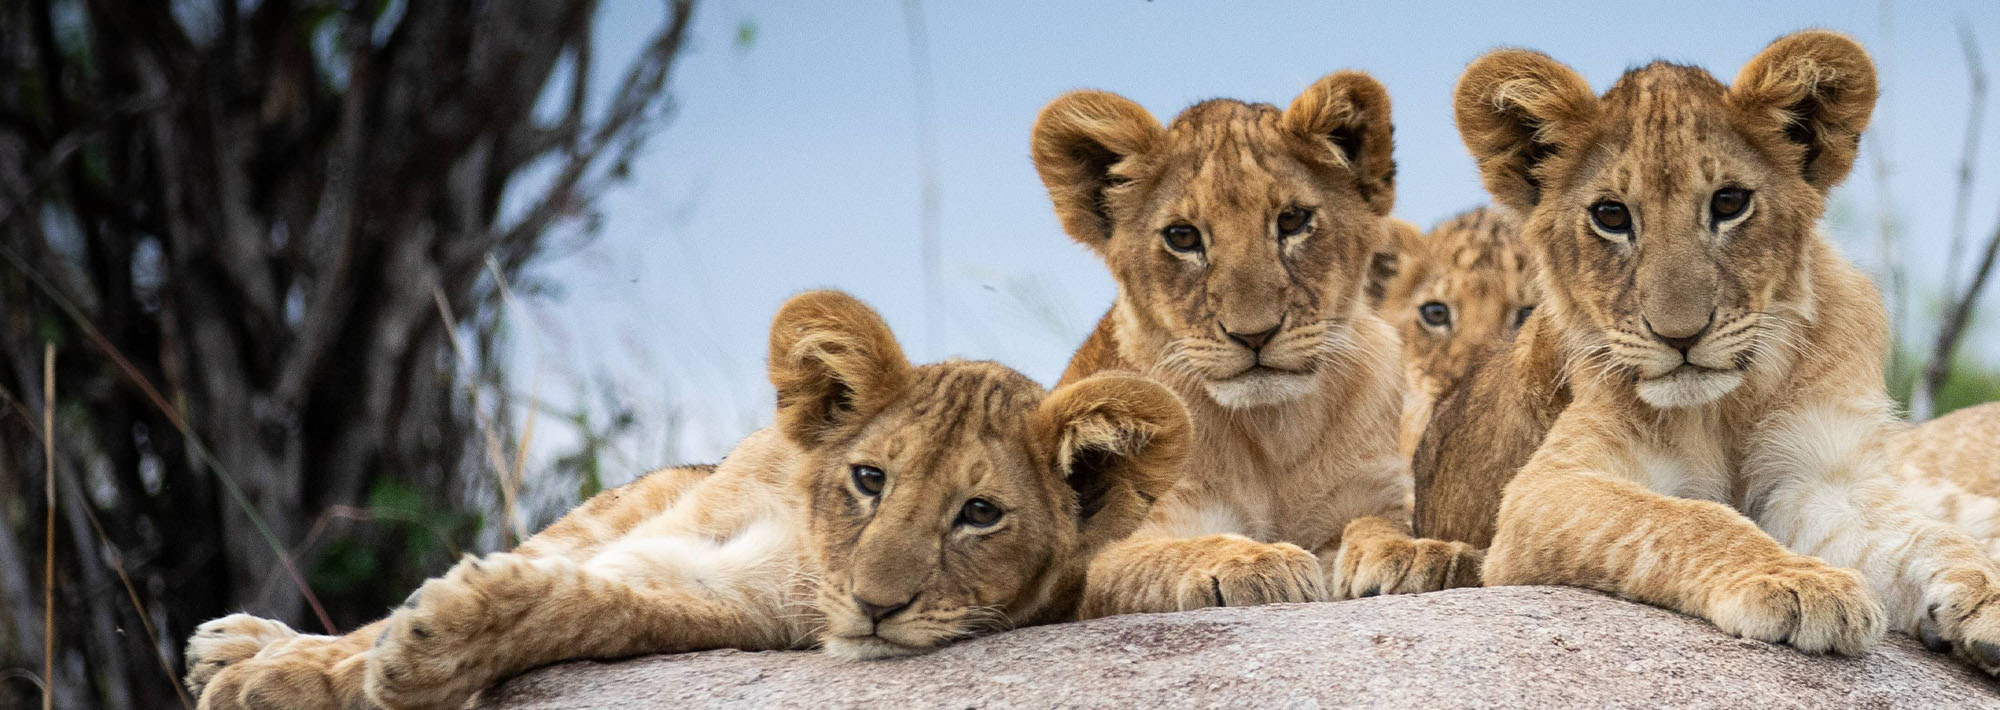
(890, 510)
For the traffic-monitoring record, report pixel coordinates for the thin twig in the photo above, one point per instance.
(1968, 156)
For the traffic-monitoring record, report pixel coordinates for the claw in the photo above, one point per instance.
(1927, 631)
(1984, 653)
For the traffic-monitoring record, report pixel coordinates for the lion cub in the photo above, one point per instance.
(1726, 449)
(1453, 295)
(889, 510)
(1239, 236)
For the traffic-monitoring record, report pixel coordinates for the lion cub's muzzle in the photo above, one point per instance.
(1694, 364)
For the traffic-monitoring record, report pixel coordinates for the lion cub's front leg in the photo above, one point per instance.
(1378, 556)
(1560, 526)
(464, 630)
(1178, 574)
(241, 661)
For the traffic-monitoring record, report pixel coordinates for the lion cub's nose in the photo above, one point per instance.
(1254, 341)
(878, 612)
(1681, 340)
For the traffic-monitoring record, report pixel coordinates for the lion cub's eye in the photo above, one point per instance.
(869, 480)
(1435, 314)
(1182, 237)
(1293, 220)
(1611, 216)
(979, 513)
(1728, 202)
(1521, 316)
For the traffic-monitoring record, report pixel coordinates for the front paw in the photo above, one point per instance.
(1803, 602)
(1251, 573)
(439, 648)
(1368, 566)
(223, 642)
(1965, 620)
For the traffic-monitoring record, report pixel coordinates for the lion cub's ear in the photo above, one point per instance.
(833, 362)
(1079, 141)
(1516, 109)
(1120, 441)
(1398, 251)
(1350, 110)
(1811, 93)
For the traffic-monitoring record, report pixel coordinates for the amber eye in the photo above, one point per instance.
(1611, 216)
(1728, 202)
(1293, 220)
(1435, 314)
(1521, 316)
(1182, 237)
(979, 513)
(869, 480)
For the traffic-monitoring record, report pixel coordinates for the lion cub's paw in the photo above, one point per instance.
(1806, 603)
(223, 642)
(1965, 620)
(1369, 566)
(1247, 573)
(437, 650)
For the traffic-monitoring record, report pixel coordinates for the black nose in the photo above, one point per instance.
(1682, 343)
(1254, 341)
(878, 612)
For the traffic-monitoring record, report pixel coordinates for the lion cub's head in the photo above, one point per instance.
(1673, 215)
(1467, 284)
(1239, 234)
(960, 497)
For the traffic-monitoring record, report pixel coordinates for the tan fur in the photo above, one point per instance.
(1295, 437)
(1746, 480)
(1950, 469)
(1474, 267)
(778, 546)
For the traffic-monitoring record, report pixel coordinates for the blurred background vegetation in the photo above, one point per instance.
(300, 268)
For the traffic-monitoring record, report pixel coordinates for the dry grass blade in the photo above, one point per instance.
(511, 483)
(494, 457)
(49, 532)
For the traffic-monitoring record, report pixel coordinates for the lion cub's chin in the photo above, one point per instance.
(1688, 387)
(1262, 387)
(869, 648)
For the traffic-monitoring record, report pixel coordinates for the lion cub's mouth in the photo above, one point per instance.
(1688, 385)
(869, 647)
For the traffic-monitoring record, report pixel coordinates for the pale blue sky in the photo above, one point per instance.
(792, 163)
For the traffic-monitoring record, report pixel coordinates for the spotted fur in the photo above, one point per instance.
(1950, 470)
(777, 547)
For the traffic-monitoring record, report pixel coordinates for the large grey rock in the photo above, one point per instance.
(1518, 647)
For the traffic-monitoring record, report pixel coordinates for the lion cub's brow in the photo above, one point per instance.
(965, 410)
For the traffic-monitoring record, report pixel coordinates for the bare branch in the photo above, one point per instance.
(1923, 400)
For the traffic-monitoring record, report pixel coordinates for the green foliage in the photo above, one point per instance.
(1970, 382)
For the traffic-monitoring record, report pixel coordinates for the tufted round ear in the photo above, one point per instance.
(1349, 110)
(833, 363)
(1079, 142)
(1119, 441)
(1811, 93)
(1396, 252)
(1516, 109)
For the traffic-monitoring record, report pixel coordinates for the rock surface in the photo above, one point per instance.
(1519, 647)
